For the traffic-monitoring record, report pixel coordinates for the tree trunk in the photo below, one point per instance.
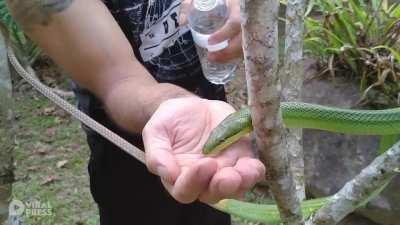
(6, 132)
(292, 76)
(260, 43)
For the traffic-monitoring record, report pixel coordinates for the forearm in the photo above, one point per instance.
(83, 37)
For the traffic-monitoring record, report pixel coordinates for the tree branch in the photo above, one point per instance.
(292, 76)
(357, 192)
(260, 42)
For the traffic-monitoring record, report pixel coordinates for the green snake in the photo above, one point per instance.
(301, 115)
(304, 115)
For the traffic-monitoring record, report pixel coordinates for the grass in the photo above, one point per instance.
(47, 136)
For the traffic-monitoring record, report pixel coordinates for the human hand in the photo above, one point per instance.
(173, 139)
(230, 31)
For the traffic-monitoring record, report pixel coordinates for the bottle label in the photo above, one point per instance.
(202, 41)
(204, 5)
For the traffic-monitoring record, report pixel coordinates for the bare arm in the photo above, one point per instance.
(83, 37)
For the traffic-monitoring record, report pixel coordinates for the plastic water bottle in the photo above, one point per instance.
(205, 17)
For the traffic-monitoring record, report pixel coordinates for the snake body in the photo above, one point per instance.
(305, 115)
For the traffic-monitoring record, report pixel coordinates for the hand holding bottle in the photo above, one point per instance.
(230, 31)
(215, 26)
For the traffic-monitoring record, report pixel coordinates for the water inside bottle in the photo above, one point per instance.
(216, 73)
(204, 23)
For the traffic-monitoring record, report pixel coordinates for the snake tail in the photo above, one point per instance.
(265, 213)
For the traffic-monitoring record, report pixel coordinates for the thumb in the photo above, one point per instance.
(158, 153)
(184, 12)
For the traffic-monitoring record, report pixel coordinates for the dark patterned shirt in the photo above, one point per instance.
(164, 48)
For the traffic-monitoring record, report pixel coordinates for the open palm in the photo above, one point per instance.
(174, 138)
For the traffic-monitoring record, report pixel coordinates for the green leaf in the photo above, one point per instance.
(333, 39)
(24, 46)
(334, 50)
(359, 12)
(326, 5)
(310, 7)
(394, 11)
(376, 4)
(348, 23)
(384, 5)
(391, 24)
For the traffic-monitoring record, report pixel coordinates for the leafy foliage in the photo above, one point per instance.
(360, 39)
(24, 47)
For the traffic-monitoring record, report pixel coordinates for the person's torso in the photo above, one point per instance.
(166, 50)
(163, 47)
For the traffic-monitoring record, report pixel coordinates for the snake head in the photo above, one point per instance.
(230, 130)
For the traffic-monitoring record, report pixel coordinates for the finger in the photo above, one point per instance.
(227, 182)
(184, 11)
(231, 28)
(158, 153)
(162, 163)
(194, 180)
(240, 149)
(233, 51)
(251, 171)
(224, 184)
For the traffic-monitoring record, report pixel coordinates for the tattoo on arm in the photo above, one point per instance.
(36, 12)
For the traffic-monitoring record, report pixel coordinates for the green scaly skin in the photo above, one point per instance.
(304, 115)
(267, 214)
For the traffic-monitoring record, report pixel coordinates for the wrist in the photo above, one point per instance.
(163, 92)
(131, 105)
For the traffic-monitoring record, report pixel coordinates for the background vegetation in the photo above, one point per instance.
(354, 38)
(359, 39)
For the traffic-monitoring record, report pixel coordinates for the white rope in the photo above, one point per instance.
(82, 117)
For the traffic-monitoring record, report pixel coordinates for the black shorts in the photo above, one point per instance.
(124, 190)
